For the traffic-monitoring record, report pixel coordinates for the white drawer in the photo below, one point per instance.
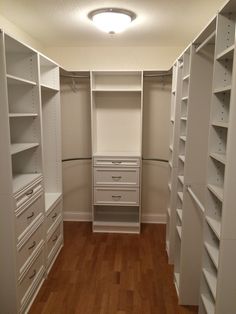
(53, 241)
(30, 192)
(29, 248)
(29, 283)
(53, 215)
(26, 218)
(113, 196)
(124, 177)
(116, 162)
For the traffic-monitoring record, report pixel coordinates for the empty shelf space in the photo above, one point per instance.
(228, 53)
(181, 179)
(181, 196)
(179, 231)
(182, 158)
(211, 281)
(216, 190)
(51, 199)
(219, 157)
(11, 79)
(186, 77)
(183, 138)
(213, 252)
(22, 180)
(208, 304)
(214, 225)
(22, 115)
(222, 89)
(209, 40)
(179, 213)
(20, 147)
(220, 124)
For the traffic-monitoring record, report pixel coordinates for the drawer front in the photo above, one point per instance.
(29, 248)
(53, 215)
(31, 278)
(116, 176)
(116, 162)
(29, 193)
(26, 219)
(109, 196)
(53, 240)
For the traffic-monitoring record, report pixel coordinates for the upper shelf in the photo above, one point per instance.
(12, 79)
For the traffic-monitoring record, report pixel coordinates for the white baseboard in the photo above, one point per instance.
(154, 218)
(85, 216)
(77, 216)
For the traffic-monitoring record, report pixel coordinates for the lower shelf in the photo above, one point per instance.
(51, 199)
(116, 219)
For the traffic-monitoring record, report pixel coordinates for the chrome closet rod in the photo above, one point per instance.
(75, 76)
(157, 75)
(77, 158)
(155, 159)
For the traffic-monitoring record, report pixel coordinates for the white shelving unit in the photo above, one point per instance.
(116, 99)
(24, 174)
(218, 279)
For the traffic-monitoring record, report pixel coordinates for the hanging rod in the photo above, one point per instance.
(155, 159)
(75, 76)
(194, 197)
(157, 75)
(77, 158)
(205, 42)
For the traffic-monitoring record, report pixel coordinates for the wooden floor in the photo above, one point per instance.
(110, 274)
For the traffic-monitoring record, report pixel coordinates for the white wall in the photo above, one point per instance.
(114, 58)
(11, 29)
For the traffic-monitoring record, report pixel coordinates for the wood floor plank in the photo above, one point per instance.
(110, 274)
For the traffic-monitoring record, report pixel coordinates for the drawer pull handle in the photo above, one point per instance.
(33, 275)
(30, 216)
(116, 177)
(116, 196)
(32, 246)
(30, 192)
(54, 216)
(55, 238)
(116, 162)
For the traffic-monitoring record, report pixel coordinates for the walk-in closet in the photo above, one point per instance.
(117, 162)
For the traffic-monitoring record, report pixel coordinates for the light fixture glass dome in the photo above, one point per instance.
(112, 20)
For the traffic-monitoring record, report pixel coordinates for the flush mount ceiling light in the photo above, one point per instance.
(112, 20)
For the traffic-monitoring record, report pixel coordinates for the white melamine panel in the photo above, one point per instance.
(116, 196)
(49, 74)
(123, 177)
(118, 121)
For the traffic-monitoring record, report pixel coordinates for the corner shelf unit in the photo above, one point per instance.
(116, 106)
(25, 152)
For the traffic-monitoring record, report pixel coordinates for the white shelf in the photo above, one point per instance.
(185, 98)
(181, 196)
(169, 186)
(181, 179)
(11, 79)
(211, 280)
(170, 164)
(48, 88)
(179, 231)
(20, 147)
(186, 77)
(168, 211)
(51, 199)
(22, 180)
(207, 302)
(184, 118)
(213, 253)
(216, 190)
(222, 89)
(22, 115)
(228, 53)
(179, 213)
(117, 90)
(182, 158)
(183, 138)
(171, 148)
(176, 281)
(220, 124)
(219, 157)
(214, 225)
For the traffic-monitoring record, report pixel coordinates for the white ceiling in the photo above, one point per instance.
(65, 22)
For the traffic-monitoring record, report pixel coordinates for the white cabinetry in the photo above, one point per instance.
(116, 99)
(30, 145)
